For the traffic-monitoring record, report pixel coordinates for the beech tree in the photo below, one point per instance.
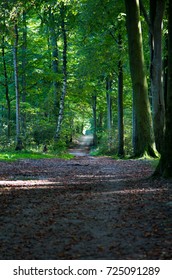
(143, 139)
(6, 84)
(24, 66)
(109, 109)
(158, 106)
(164, 167)
(94, 108)
(64, 85)
(155, 26)
(16, 79)
(120, 101)
(54, 33)
(4, 15)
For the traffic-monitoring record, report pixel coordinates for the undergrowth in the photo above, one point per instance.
(12, 156)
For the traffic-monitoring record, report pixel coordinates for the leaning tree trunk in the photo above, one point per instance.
(144, 131)
(15, 59)
(165, 165)
(64, 87)
(158, 108)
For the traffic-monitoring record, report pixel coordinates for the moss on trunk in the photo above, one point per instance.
(143, 129)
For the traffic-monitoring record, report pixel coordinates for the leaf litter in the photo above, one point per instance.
(84, 208)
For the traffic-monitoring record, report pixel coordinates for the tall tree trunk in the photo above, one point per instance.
(15, 59)
(120, 111)
(144, 129)
(6, 89)
(109, 103)
(94, 107)
(109, 110)
(55, 59)
(158, 109)
(120, 102)
(64, 86)
(2, 117)
(165, 165)
(24, 64)
(165, 70)
(100, 122)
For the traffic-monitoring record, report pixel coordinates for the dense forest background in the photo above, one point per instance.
(75, 67)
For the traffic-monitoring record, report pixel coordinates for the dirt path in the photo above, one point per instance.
(82, 147)
(84, 208)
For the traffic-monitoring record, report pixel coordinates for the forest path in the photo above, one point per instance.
(82, 147)
(84, 208)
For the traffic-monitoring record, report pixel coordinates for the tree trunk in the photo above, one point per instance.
(142, 112)
(120, 103)
(165, 70)
(6, 90)
(15, 59)
(109, 110)
(120, 111)
(55, 59)
(24, 65)
(158, 110)
(109, 103)
(94, 107)
(2, 117)
(165, 165)
(64, 87)
(100, 122)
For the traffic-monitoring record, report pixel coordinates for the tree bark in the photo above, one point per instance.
(165, 70)
(158, 109)
(24, 65)
(109, 110)
(141, 106)
(120, 111)
(120, 102)
(64, 86)
(94, 107)
(15, 59)
(6, 89)
(55, 60)
(165, 165)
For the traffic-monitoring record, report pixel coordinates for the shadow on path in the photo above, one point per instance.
(84, 208)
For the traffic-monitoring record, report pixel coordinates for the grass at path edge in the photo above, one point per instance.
(13, 156)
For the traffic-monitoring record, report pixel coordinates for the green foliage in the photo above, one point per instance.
(93, 52)
(13, 156)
